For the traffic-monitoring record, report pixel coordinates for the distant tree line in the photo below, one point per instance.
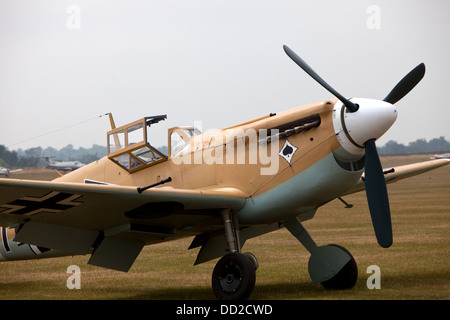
(35, 157)
(438, 145)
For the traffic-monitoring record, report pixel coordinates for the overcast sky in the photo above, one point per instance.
(64, 63)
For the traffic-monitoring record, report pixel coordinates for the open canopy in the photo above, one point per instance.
(129, 147)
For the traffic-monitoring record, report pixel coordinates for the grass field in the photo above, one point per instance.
(417, 266)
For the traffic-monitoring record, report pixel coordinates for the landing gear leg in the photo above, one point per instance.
(234, 276)
(332, 265)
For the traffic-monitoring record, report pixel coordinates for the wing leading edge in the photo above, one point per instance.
(402, 172)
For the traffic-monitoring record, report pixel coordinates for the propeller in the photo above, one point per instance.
(376, 190)
(302, 64)
(377, 196)
(406, 84)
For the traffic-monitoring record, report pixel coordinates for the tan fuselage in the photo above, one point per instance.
(312, 145)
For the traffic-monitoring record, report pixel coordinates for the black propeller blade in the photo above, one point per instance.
(406, 84)
(377, 196)
(302, 64)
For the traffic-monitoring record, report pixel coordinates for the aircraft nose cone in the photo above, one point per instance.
(371, 121)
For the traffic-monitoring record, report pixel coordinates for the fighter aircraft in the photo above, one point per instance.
(221, 187)
(63, 165)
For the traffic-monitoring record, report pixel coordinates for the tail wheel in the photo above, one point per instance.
(234, 277)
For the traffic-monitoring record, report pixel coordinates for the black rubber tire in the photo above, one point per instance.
(234, 277)
(346, 278)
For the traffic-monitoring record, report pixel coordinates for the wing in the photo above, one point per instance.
(402, 172)
(115, 220)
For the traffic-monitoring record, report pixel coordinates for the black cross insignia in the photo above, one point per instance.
(52, 202)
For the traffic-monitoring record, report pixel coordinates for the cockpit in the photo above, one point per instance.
(180, 139)
(129, 146)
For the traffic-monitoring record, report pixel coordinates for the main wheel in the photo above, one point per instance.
(234, 277)
(346, 277)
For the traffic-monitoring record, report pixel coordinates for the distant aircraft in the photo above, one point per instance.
(441, 156)
(6, 172)
(63, 165)
(218, 187)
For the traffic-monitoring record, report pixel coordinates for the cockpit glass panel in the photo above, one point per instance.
(146, 155)
(192, 131)
(183, 150)
(180, 140)
(128, 162)
(116, 141)
(135, 134)
(176, 141)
